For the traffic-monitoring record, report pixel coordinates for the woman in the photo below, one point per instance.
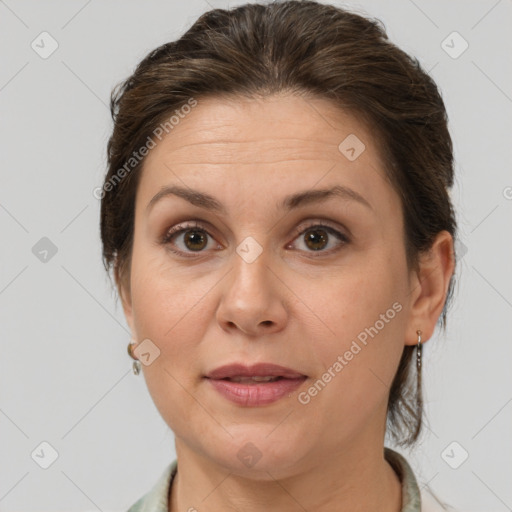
(277, 216)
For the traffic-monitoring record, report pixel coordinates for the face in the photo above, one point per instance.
(317, 284)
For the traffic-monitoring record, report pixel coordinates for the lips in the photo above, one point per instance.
(241, 373)
(254, 386)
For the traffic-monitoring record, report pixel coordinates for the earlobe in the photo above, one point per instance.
(429, 289)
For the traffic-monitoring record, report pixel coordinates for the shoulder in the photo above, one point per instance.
(431, 503)
(156, 499)
(415, 497)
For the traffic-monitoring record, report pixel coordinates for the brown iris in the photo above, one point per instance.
(195, 240)
(315, 239)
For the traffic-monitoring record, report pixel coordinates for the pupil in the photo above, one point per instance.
(316, 239)
(195, 237)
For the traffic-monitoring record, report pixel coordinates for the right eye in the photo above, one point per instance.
(194, 239)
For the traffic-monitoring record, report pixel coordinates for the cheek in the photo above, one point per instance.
(162, 297)
(170, 314)
(165, 314)
(358, 368)
(355, 299)
(363, 321)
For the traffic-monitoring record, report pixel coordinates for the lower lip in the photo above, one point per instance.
(251, 395)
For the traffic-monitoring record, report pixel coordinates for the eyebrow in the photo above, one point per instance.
(208, 202)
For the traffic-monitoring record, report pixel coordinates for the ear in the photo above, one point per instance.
(123, 288)
(428, 288)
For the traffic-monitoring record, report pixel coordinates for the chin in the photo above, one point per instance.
(260, 456)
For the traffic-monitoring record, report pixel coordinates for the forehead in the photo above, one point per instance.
(276, 122)
(253, 143)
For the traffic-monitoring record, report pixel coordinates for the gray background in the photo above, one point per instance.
(65, 375)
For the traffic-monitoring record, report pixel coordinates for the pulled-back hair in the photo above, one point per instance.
(312, 50)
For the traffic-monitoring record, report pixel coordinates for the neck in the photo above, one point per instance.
(357, 479)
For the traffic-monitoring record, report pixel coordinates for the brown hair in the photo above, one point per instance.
(304, 48)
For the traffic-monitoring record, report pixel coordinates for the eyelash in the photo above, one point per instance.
(180, 228)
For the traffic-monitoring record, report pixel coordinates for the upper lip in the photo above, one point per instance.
(255, 370)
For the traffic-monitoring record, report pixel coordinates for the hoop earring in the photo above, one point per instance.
(419, 349)
(136, 366)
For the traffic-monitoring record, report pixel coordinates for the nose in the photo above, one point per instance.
(253, 298)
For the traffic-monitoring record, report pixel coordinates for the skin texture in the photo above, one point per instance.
(292, 306)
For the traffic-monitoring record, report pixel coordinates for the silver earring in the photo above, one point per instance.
(419, 347)
(136, 366)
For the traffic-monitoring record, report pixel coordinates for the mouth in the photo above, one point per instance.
(256, 390)
(255, 386)
(253, 380)
(257, 373)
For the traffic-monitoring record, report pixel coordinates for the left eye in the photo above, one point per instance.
(195, 239)
(316, 238)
